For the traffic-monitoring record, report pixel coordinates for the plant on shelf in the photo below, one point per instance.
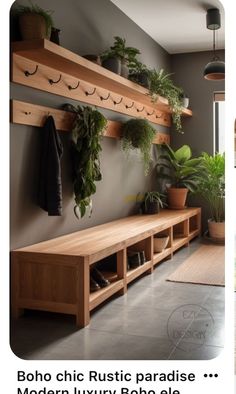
(211, 187)
(180, 171)
(121, 54)
(162, 85)
(87, 130)
(151, 202)
(139, 134)
(139, 73)
(34, 21)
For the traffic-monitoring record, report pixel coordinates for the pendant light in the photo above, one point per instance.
(214, 70)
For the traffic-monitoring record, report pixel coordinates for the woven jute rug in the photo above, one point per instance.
(206, 266)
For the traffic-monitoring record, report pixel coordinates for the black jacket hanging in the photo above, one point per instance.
(50, 187)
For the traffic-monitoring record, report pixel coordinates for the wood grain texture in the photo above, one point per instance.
(35, 115)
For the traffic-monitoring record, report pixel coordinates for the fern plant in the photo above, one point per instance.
(87, 130)
(123, 52)
(162, 85)
(138, 134)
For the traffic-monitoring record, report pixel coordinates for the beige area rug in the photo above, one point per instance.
(206, 266)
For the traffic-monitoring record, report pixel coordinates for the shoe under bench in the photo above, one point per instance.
(54, 275)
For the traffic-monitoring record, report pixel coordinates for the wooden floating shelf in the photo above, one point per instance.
(35, 115)
(112, 92)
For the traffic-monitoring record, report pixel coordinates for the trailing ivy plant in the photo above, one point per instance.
(161, 84)
(139, 134)
(87, 130)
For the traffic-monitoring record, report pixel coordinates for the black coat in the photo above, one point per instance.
(50, 187)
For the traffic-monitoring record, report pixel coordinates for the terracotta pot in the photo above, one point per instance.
(33, 26)
(216, 230)
(177, 197)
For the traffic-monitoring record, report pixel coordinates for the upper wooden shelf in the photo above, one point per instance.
(52, 55)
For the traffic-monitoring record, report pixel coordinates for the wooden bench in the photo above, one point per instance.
(54, 275)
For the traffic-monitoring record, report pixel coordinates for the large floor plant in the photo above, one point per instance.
(88, 128)
(212, 188)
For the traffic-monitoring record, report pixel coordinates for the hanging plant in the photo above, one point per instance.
(162, 85)
(87, 130)
(139, 134)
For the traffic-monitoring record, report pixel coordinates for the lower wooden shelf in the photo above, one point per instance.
(101, 295)
(158, 257)
(136, 272)
(179, 242)
(193, 234)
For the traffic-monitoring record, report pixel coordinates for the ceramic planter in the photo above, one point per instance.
(177, 197)
(124, 69)
(150, 208)
(216, 230)
(113, 64)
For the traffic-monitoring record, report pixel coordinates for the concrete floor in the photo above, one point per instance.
(149, 322)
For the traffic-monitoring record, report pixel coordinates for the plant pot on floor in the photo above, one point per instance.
(33, 26)
(216, 230)
(113, 64)
(160, 243)
(176, 197)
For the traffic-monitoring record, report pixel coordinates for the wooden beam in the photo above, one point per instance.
(35, 115)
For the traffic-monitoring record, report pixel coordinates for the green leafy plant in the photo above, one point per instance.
(162, 85)
(139, 73)
(154, 197)
(211, 184)
(178, 168)
(87, 130)
(120, 50)
(139, 134)
(35, 9)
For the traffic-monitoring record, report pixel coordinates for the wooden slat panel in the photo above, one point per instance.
(35, 115)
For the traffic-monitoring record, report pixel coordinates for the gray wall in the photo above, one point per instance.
(86, 27)
(188, 73)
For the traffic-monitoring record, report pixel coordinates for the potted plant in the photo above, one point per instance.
(119, 57)
(34, 22)
(152, 202)
(184, 99)
(138, 134)
(87, 130)
(212, 188)
(139, 73)
(180, 171)
(162, 85)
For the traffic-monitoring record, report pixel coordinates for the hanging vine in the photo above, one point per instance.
(87, 130)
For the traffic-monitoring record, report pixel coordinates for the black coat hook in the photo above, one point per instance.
(28, 74)
(74, 87)
(150, 113)
(52, 82)
(27, 113)
(140, 110)
(129, 106)
(117, 102)
(105, 98)
(91, 93)
(158, 117)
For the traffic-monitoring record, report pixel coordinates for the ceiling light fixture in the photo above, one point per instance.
(214, 70)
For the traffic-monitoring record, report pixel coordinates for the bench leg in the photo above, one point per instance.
(83, 290)
(15, 286)
(122, 269)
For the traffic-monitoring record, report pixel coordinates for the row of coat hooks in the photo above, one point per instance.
(94, 90)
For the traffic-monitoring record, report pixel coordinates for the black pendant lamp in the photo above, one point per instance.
(214, 70)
